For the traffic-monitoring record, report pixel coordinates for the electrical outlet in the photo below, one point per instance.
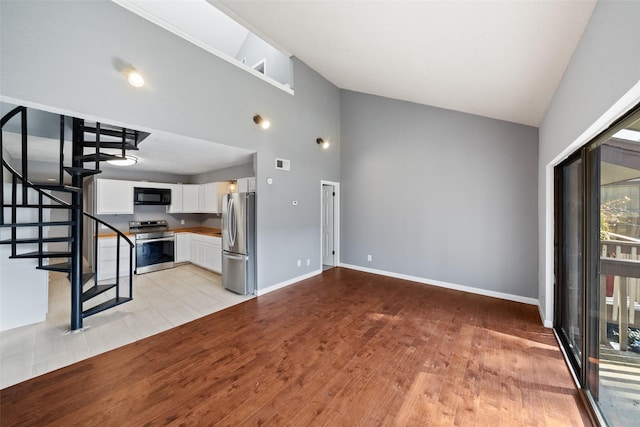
(369, 258)
(308, 262)
(299, 263)
(182, 221)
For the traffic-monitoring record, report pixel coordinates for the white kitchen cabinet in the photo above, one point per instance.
(197, 255)
(246, 185)
(183, 247)
(206, 252)
(114, 197)
(190, 198)
(176, 199)
(211, 196)
(107, 256)
(212, 253)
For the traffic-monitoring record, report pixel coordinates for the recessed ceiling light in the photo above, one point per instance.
(127, 161)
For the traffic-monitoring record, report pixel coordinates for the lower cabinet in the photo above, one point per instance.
(212, 254)
(107, 255)
(183, 247)
(201, 250)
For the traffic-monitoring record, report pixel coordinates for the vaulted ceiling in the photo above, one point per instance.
(499, 59)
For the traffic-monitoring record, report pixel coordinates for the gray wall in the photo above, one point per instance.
(226, 174)
(278, 65)
(62, 56)
(439, 194)
(604, 66)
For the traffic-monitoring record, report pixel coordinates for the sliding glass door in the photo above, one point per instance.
(597, 316)
(569, 313)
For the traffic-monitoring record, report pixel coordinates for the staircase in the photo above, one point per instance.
(18, 193)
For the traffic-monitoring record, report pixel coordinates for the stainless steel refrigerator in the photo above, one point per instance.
(239, 242)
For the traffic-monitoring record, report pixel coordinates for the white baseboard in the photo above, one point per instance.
(501, 295)
(287, 283)
(546, 322)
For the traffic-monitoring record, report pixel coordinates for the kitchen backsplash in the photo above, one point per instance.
(145, 213)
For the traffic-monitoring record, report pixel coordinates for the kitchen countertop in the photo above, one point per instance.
(206, 231)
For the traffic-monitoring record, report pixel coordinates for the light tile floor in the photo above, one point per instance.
(162, 300)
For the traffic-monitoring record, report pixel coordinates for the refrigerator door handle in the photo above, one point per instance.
(232, 223)
(236, 257)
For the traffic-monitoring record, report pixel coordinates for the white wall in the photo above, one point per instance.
(65, 56)
(604, 67)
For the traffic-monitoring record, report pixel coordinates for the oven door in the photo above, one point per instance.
(154, 254)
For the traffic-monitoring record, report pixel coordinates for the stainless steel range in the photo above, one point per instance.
(154, 245)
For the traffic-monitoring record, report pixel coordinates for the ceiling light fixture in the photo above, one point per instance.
(127, 161)
(135, 78)
(259, 120)
(232, 186)
(323, 143)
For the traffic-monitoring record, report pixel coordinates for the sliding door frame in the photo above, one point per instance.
(586, 369)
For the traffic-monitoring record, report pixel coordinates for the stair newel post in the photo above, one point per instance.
(77, 227)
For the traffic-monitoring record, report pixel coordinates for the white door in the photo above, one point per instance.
(328, 251)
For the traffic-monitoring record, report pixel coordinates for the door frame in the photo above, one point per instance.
(336, 221)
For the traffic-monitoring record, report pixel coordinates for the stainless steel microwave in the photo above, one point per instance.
(151, 196)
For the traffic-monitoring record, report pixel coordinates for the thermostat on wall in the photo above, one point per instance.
(283, 164)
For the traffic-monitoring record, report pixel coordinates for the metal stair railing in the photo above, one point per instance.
(75, 236)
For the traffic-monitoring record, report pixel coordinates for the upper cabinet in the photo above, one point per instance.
(211, 196)
(176, 199)
(114, 196)
(246, 185)
(191, 198)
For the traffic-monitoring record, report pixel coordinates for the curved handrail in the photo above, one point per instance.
(5, 119)
(75, 255)
(32, 185)
(109, 226)
(11, 114)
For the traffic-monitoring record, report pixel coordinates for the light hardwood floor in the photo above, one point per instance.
(162, 300)
(344, 348)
